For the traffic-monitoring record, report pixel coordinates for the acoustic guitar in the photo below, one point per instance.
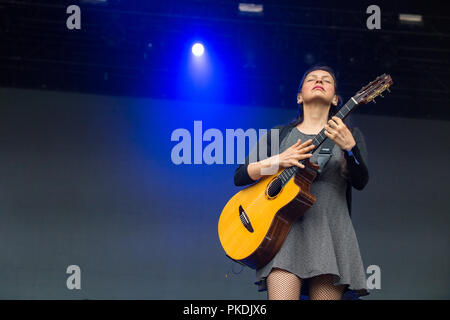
(255, 222)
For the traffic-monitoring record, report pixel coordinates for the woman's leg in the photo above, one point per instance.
(322, 288)
(283, 285)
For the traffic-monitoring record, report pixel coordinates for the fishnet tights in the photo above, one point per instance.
(284, 285)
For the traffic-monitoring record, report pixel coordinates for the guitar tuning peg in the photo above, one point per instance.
(374, 101)
(388, 90)
(381, 96)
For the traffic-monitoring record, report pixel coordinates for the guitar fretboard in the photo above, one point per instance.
(288, 173)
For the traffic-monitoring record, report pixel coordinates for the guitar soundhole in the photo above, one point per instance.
(274, 187)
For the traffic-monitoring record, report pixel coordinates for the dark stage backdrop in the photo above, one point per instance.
(87, 180)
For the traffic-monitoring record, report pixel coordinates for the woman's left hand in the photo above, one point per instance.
(337, 131)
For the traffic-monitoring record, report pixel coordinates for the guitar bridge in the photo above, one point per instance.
(245, 220)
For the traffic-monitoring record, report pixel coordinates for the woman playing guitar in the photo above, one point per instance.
(321, 250)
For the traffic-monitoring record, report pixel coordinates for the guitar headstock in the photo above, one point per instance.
(374, 89)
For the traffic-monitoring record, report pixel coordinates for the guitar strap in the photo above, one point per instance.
(325, 154)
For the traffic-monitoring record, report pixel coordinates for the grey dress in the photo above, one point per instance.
(323, 241)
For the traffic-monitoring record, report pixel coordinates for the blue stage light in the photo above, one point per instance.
(198, 49)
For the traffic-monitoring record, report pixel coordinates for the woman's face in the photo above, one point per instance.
(318, 85)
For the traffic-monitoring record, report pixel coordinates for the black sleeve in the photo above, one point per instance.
(241, 176)
(357, 165)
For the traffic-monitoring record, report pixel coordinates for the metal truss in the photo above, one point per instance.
(125, 42)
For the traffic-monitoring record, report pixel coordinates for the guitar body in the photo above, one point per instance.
(253, 226)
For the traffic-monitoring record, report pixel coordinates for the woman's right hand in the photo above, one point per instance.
(291, 156)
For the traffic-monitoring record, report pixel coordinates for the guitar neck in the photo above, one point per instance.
(320, 138)
(341, 114)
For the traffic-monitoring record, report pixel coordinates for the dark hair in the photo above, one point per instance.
(333, 109)
(319, 67)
